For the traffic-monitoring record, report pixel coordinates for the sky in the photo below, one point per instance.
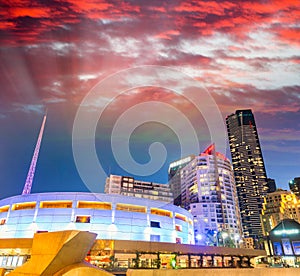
(128, 76)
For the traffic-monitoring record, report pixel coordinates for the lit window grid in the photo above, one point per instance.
(204, 177)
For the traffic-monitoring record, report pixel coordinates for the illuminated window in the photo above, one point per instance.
(23, 206)
(130, 208)
(155, 238)
(178, 240)
(4, 209)
(83, 219)
(161, 212)
(56, 204)
(181, 217)
(155, 224)
(178, 227)
(94, 205)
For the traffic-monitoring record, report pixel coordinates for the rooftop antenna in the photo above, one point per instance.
(31, 171)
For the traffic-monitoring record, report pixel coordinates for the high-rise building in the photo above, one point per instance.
(295, 186)
(278, 206)
(128, 186)
(209, 192)
(271, 184)
(174, 177)
(249, 169)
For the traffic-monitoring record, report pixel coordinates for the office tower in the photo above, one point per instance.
(209, 192)
(249, 169)
(278, 206)
(174, 177)
(29, 180)
(271, 184)
(128, 186)
(295, 186)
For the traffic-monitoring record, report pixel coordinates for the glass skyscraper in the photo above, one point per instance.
(175, 175)
(249, 169)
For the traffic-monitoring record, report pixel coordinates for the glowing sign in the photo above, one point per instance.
(287, 248)
(286, 231)
(210, 149)
(277, 249)
(296, 246)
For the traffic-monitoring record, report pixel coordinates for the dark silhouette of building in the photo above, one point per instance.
(295, 186)
(249, 170)
(174, 176)
(271, 184)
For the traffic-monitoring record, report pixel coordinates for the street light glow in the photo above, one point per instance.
(224, 235)
(199, 237)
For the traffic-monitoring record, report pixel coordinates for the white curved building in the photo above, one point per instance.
(209, 192)
(110, 216)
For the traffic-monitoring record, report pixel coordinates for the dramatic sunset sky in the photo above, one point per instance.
(245, 53)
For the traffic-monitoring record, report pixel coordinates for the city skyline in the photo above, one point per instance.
(245, 54)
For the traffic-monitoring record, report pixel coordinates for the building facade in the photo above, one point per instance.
(295, 186)
(117, 256)
(209, 192)
(175, 175)
(278, 206)
(249, 170)
(128, 186)
(109, 216)
(284, 243)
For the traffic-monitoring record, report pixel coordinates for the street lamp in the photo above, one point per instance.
(237, 240)
(198, 238)
(224, 236)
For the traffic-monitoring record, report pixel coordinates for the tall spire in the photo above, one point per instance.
(31, 171)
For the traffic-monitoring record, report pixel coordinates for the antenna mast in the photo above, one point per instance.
(31, 171)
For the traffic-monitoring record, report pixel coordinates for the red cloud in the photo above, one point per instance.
(274, 7)
(86, 6)
(209, 7)
(102, 9)
(189, 17)
(168, 34)
(7, 25)
(158, 9)
(238, 18)
(292, 35)
(34, 12)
